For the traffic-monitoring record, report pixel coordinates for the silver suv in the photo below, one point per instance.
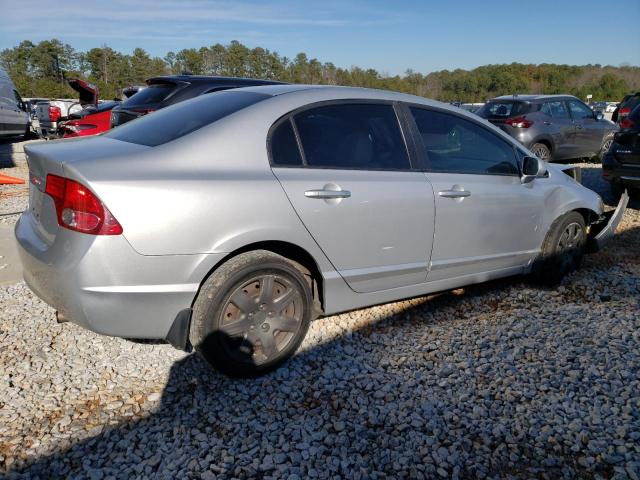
(554, 127)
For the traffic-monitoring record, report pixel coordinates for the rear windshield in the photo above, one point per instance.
(503, 109)
(183, 118)
(151, 95)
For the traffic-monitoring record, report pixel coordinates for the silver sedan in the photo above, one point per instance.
(228, 222)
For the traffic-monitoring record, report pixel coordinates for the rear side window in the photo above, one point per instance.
(352, 136)
(284, 147)
(183, 118)
(151, 95)
(453, 144)
(632, 102)
(503, 109)
(555, 109)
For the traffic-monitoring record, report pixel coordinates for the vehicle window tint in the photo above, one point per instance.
(555, 109)
(579, 110)
(152, 94)
(363, 136)
(284, 147)
(174, 122)
(503, 109)
(453, 144)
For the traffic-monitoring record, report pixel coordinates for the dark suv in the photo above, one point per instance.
(554, 127)
(164, 91)
(621, 164)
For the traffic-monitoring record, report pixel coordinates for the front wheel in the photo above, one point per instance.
(252, 314)
(562, 250)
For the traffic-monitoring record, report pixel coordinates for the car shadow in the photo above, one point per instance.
(212, 425)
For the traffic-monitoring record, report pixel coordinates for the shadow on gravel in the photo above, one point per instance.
(247, 428)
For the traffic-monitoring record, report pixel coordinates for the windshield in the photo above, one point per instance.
(503, 109)
(183, 118)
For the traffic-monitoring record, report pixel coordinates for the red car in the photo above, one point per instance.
(93, 121)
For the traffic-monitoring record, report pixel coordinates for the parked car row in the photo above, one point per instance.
(228, 221)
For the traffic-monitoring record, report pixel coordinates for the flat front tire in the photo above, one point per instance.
(562, 250)
(252, 314)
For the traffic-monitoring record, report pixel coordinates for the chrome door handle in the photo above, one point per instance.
(454, 193)
(325, 194)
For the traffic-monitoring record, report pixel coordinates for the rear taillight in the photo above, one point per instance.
(624, 111)
(627, 123)
(78, 127)
(519, 122)
(54, 113)
(79, 209)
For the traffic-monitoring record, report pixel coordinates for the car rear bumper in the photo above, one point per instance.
(102, 284)
(624, 174)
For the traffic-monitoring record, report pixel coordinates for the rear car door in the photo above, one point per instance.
(346, 170)
(589, 133)
(559, 125)
(486, 219)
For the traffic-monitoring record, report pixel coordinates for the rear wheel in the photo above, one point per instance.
(252, 314)
(541, 151)
(562, 250)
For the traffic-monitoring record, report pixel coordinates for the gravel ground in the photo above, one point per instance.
(502, 380)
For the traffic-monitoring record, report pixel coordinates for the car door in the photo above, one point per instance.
(346, 170)
(486, 219)
(589, 132)
(559, 125)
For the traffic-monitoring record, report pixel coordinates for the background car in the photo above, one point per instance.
(169, 90)
(229, 221)
(621, 163)
(90, 121)
(14, 119)
(628, 103)
(554, 127)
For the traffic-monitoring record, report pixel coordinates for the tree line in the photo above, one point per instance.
(41, 70)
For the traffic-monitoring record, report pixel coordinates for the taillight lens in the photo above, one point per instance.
(624, 111)
(79, 209)
(519, 122)
(627, 123)
(54, 113)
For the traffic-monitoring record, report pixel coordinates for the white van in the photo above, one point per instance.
(14, 121)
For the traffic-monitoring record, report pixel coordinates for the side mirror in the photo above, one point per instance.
(532, 167)
(599, 116)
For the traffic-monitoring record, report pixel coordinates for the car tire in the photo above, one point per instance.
(252, 314)
(562, 250)
(604, 148)
(541, 151)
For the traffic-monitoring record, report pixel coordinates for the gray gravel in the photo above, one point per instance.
(503, 380)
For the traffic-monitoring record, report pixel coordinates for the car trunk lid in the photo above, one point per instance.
(87, 91)
(58, 158)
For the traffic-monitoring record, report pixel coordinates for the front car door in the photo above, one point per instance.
(346, 170)
(589, 131)
(487, 221)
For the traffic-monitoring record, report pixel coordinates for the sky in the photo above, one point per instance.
(390, 36)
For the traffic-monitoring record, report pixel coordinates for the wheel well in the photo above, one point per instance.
(292, 252)
(589, 215)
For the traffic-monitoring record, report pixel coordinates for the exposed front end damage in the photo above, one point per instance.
(604, 228)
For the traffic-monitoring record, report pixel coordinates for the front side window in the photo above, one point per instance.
(555, 109)
(453, 144)
(579, 110)
(352, 136)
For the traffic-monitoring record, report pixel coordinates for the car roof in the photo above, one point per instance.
(532, 97)
(209, 79)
